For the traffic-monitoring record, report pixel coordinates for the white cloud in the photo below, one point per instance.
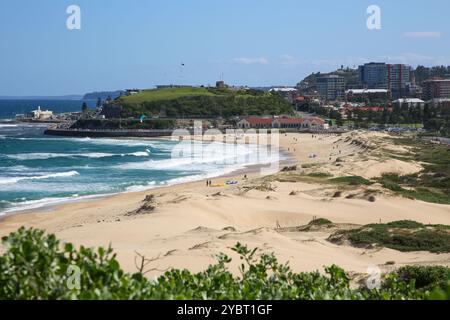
(287, 59)
(251, 60)
(423, 34)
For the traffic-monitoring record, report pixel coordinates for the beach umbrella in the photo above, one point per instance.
(142, 118)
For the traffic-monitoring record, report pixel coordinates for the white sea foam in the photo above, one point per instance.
(139, 154)
(12, 180)
(120, 142)
(93, 155)
(218, 154)
(139, 188)
(47, 202)
(43, 156)
(8, 125)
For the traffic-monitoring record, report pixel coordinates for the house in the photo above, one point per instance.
(290, 94)
(288, 123)
(411, 102)
(40, 114)
(130, 92)
(355, 95)
(316, 123)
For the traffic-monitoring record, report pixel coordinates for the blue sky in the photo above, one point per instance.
(141, 43)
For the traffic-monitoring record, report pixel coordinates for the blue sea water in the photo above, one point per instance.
(38, 170)
(9, 108)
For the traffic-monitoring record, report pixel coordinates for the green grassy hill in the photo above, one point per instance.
(164, 94)
(203, 102)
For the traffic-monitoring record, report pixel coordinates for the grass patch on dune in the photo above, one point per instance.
(293, 177)
(432, 184)
(351, 181)
(424, 187)
(403, 236)
(319, 175)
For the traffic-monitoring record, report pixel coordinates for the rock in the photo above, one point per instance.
(287, 169)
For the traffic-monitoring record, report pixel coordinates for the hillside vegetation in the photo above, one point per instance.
(203, 102)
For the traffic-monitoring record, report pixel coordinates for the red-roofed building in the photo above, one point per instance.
(255, 123)
(288, 123)
(281, 123)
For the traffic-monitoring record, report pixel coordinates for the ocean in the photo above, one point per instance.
(38, 170)
(9, 108)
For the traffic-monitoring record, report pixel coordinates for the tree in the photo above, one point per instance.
(99, 103)
(84, 107)
(385, 116)
(339, 121)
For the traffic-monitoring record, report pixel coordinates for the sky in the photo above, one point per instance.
(142, 43)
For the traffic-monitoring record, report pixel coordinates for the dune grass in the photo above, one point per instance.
(403, 236)
(351, 181)
(432, 184)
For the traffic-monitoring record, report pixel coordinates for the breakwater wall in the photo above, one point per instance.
(108, 133)
(153, 133)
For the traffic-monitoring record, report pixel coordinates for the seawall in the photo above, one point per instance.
(108, 133)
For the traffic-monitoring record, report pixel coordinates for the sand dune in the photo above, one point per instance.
(192, 223)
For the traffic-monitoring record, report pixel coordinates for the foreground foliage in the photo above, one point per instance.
(37, 266)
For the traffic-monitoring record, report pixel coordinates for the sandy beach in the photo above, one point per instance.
(186, 225)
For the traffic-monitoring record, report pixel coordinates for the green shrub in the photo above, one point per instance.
(401, 235)
(319, 175)
(351, 180)
(320, 222)
(406, 224)
(425, 277)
